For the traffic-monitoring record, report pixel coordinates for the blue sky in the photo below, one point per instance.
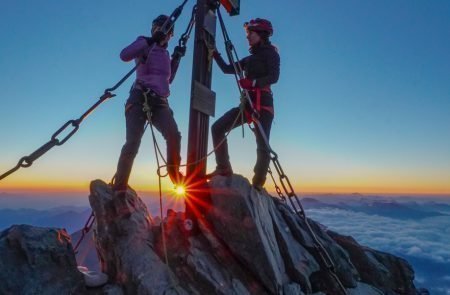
(362, 104)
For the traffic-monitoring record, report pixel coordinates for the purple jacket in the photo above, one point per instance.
(155, 70)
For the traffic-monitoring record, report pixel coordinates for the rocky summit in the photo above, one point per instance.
(247, 242)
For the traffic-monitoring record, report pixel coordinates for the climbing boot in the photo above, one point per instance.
(220, 171)
(258, 182)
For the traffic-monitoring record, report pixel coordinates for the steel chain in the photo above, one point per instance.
(87, 227)
(27, 161)
(285, 182)
(182, 42)
(187, 33)
(277, 188)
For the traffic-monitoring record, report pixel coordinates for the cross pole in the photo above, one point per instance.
(202, 106)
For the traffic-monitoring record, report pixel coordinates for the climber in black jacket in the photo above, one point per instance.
(261, 68)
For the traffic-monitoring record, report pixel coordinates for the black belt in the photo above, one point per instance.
(149, 91)
(155, 98)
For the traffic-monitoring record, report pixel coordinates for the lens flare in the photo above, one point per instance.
(180, 190)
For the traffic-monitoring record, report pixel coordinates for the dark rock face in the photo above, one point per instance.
(266, 235)
(387, 272)
(37, 260)
(124, 245)
(248, 243)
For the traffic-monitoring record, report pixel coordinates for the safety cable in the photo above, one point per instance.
(182, 42)
(107, 94)
(285, 182)
(147, 110)
(27, 161)
(166, 165)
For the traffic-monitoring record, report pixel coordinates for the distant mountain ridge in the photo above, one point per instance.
(391, 209)
(70, 218)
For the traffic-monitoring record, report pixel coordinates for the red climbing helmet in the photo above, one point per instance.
(259, 25)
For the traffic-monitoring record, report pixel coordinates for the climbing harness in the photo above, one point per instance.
(158, 154)
(325, 258)
(27, 161)
(182, 43)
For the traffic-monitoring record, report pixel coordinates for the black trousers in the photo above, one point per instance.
(162, 119)
(224, 124)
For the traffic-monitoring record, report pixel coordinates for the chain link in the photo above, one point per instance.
(297, 206)
(90, 221)
(87, 227)
(186, 35)
(284, 180)
(27, 161)
(277, 188)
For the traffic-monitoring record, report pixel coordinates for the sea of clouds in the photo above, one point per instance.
(425, 243)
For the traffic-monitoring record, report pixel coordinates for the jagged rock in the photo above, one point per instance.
(242, 219)
(271, 239)
(387, 272)
(345, 270)
(360, 289)
(249, 243)
(199, 264)
(124, 244)
(292, 289)
(112, 290)
(35, 260)
(105, 290)
(364, 289)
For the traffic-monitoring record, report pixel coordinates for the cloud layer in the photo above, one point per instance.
(424, 243)
(428, 238)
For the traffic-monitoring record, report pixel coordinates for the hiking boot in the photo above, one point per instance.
(258, 183)
(227, 172)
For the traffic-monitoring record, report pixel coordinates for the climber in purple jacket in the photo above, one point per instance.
(155, 71)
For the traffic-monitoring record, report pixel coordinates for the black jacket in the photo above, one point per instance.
(263, 65)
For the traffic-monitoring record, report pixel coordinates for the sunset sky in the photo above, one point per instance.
(362, 105)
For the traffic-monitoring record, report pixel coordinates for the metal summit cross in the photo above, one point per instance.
(202, 104)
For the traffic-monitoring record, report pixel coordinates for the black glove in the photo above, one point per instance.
(179, 52)
(158, 36)
(216, 54)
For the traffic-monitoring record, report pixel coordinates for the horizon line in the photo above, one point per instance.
(53, 191)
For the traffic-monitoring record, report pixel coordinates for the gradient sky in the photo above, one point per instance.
(362, 105)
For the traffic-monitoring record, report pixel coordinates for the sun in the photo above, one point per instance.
(179, 190)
